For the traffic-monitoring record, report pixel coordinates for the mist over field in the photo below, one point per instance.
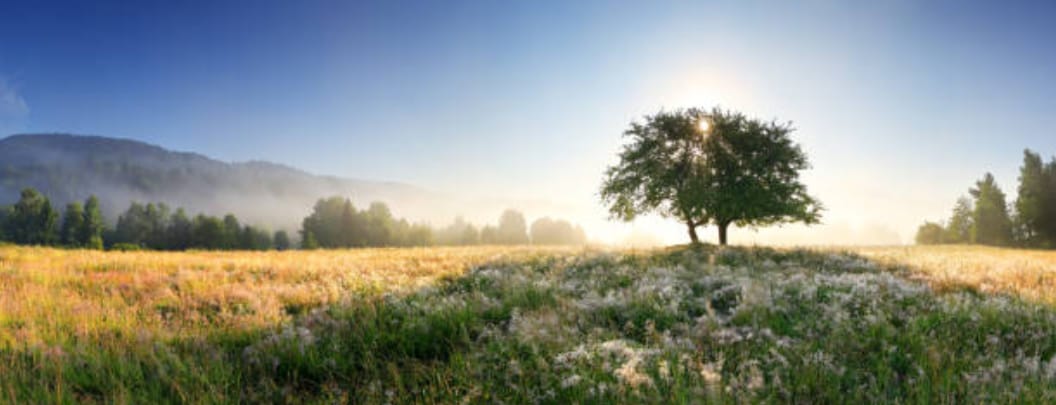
(71, 167)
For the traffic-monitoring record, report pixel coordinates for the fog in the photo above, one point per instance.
(70, 168)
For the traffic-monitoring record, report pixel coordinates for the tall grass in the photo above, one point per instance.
(512, 325)
(1030, 274)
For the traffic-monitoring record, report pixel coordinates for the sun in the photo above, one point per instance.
(704, 125)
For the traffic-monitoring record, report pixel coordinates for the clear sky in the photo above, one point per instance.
(901, 105)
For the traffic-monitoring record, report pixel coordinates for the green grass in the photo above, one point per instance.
(685, 325)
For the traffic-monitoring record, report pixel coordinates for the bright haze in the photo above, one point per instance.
(900, 105)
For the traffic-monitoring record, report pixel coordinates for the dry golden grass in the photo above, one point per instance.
(50, 296)
(1030, 274)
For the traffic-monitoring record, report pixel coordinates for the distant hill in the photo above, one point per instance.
(71, 167)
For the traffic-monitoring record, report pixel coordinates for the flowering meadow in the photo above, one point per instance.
(528, 325)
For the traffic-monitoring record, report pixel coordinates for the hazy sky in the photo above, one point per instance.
(900, 105)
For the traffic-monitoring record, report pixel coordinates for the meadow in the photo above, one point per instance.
(947, 324)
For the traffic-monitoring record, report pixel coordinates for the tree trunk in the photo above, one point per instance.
(722, 233)
(693, 233)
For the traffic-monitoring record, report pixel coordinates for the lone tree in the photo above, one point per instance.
(710, 167)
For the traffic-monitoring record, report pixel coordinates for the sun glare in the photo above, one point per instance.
(704, 126)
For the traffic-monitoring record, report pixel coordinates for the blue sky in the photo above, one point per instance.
(901, 105)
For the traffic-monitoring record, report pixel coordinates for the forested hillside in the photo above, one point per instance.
(69, 168)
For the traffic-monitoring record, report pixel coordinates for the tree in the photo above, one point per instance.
(32, 220)
(380, 225)
(308, 241)
(332, 223)
(710, 167)
(72, 222)
(253, 238)
(513, 229)
(1030, 202)
(469, 236)
(459, 233)
(208, 233)
(232, 232)
(352, 230)
(959, 228)
(133, 227)
(752, 174)
(1047, 218)
(5, 213)
(990, 221)
(93, 225)
(180, 231)
(930, 233)
(418, 235)
(335, 223)
(282, 240)
(156, 216)
(547, 231)
(660, 170)
(489, 235)
(400, 233)
(144, 225)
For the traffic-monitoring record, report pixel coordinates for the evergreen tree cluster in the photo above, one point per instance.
(984, 217)
(155, 226)
(33, 221)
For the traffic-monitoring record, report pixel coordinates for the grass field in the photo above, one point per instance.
(515, 325)
(1030, 274)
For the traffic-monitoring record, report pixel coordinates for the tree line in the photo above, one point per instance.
(334, 223)
(984, 216)
(511, 230)
(34, 221)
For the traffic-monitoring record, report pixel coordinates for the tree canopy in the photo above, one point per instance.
(930, 233)
(710, 167)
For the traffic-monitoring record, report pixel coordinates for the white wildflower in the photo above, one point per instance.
(628, 373)
(571, 380)
(1050, 368)
(712, 372)
(664, 370)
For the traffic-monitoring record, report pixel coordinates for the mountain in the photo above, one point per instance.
(71, 167)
